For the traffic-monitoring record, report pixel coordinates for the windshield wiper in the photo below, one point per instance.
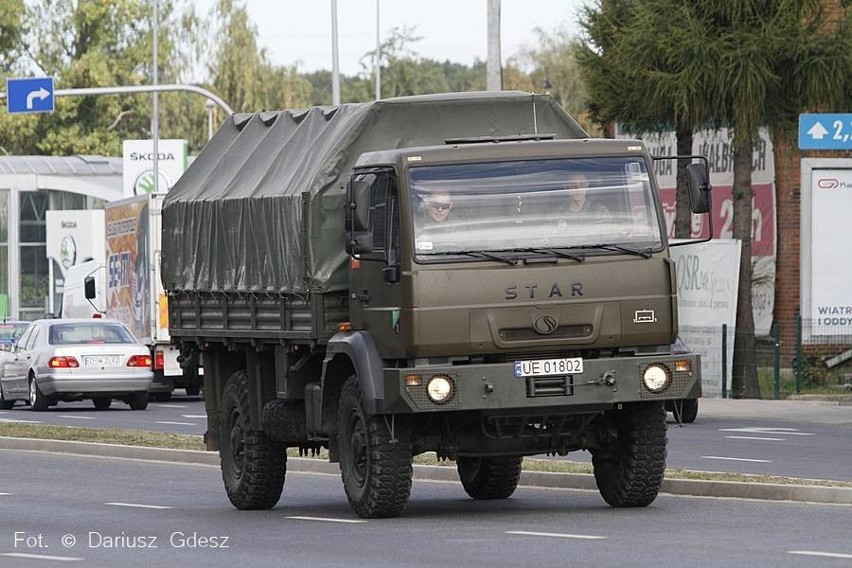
(645, 253)
(548, 251)
(477, 254)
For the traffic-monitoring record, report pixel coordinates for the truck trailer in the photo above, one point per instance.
(334, 309)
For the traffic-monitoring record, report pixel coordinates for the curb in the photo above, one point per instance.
(684, 487)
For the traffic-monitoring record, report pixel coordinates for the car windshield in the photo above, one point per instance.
(88, 333)
(565, 207)
(11, 331)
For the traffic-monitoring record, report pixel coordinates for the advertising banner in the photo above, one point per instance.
(716, 146)
(827, 295)
(707, 284)
(127, 264)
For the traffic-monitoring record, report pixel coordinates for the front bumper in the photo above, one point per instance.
(494, 387)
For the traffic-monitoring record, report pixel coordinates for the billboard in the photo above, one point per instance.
(73, 236)
(825, 260)
(707, 284)
(717, 147)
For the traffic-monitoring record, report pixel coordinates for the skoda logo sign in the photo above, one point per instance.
(546, 324)
(68, 251)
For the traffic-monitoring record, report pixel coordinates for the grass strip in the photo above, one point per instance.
(186, 442)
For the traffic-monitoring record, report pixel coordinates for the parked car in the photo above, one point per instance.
(76, 359)
(685, 411)
(10, 331)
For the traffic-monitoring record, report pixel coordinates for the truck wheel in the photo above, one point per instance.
(253, 467)
(374, 464)
(489, 478)
(37, 400)
(193, 383)
(102, 402)
(630, 471)
(689, 410)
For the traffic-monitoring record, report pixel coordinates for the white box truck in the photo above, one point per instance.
(134, 293)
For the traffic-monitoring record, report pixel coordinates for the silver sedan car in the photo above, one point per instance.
(76, 359)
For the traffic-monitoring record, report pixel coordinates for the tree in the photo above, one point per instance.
(716, 62)
(552, 66)
(87, 44)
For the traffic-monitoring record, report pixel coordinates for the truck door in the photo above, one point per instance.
(375, 274)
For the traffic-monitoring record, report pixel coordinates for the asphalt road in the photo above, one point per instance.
(95, 511)
(785, 438)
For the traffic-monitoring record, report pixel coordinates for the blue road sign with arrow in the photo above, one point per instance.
(825, 131)
(34, 94)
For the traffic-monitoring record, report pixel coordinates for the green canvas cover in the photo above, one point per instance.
(261, 210)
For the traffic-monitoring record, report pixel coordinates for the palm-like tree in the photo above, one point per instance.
(684, 65)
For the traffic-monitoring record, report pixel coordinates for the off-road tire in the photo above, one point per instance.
(689, 410)
(193, 383)
(630, 471)
(489, 478)
(138, 401)
(375, 465)
(102, 402)
(5, 404)
(37, 400)
(253, 467)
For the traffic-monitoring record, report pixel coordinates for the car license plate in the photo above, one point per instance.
(549, 367)
(101, 360)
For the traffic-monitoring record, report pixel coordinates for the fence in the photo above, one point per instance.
(799, 356)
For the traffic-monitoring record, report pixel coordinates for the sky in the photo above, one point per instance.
(456, 30)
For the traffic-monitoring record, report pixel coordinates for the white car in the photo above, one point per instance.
(75, 359)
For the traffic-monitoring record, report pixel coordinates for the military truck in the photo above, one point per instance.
(302, 269)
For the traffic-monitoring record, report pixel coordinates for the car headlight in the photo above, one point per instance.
(440, 389)
(656, 378)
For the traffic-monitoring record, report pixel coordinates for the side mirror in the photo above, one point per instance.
(89, 287)
(359, 203)
(699, 188)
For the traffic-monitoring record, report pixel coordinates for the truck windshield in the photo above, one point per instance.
(595, 205)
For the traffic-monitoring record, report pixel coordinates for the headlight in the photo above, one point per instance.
(440, 389)
(656, 378)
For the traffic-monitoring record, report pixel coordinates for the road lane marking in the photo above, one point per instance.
(176, 423)
(4, 494)
(41, 556)
(756, 438)
(172, 405)
(138, 505)
(76, 417)
(818, 553)
(326, 519)
(775, 431)
(735, 459)
(194, 415)
(557, 535)
(21, 421)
